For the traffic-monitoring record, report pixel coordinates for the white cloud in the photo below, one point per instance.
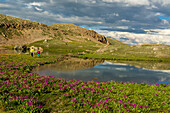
(112, 14)
(38, 9)
(141, 2)
(122, 27)
(47, 13)
(162, 2)
(29, 5)
(165, 21)
(115, 14)
(130, 2)
(159, 37)
(36, 4)
(86, 2)
(124, 20)
(158, 13)
(162, 31)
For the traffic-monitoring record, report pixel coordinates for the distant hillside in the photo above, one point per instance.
(16, 31)
(74, 30)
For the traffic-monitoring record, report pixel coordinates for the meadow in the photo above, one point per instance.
(23, 91)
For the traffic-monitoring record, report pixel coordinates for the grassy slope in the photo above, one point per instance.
(13, 20)
(74, 42)
(122, 51)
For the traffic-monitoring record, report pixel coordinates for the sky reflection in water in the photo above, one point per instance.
(110, 71)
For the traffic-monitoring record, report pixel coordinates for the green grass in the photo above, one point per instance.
(116, 51)
(57, 46)
(23, 91)
(111, 57)
(145, 64)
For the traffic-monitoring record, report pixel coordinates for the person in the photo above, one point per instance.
(38, 52)
(32, 52)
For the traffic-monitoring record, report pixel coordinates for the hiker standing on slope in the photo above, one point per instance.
(32, 51)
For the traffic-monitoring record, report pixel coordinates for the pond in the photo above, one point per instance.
(87, 70)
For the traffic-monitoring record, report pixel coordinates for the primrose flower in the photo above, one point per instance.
(20, 97)
(140, 106)
(40, 106)
(74, 100)
(98, 104)
(107, 107)
(14, 97)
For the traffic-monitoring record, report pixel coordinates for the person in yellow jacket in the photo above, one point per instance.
(32, 52)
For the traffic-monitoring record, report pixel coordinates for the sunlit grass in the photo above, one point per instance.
(23, 91)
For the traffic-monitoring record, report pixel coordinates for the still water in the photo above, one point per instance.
(103, 71)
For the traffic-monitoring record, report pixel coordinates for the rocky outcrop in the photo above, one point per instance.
(96, 36)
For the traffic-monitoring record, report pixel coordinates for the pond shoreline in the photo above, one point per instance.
(88, 70)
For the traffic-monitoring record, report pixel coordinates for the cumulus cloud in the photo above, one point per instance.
(141, 2)
(161, 2)
(130, 2)
(157, 36)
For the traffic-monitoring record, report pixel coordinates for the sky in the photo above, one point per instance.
(130, 21)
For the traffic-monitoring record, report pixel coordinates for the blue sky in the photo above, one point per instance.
(104, 16)
(164, 18)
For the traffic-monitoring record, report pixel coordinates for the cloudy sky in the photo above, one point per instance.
(130, 21)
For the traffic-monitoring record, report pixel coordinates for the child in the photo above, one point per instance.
(38, 52)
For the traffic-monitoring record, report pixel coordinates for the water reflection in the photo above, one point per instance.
(147, 65)
(87, 71)
(70, 65)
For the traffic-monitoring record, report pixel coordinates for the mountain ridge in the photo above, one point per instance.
(14, 31)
